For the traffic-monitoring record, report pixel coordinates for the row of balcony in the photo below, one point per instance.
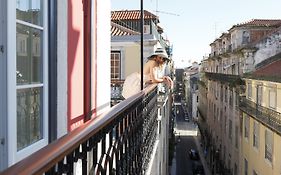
(220, 51)
(268, 117)
(202, 113)
(232, 80)
(120, 141)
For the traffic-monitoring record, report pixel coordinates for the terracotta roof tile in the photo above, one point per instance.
(118, 30)
(131, 15)
(260, 22)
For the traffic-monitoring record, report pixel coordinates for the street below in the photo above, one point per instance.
(186, 138)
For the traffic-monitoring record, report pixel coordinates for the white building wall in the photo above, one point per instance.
(268, 47)
(62, 67)
(194, 104)
(103, 55)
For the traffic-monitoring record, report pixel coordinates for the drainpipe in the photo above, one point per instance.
(87, 59)
(141, 55)
(52, 63)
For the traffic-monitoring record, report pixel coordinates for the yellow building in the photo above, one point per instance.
(261, 129)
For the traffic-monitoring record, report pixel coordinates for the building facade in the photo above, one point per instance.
(190, 80)
(232, 55)
(260, 110)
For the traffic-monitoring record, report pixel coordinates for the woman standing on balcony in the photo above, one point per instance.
(155, 62)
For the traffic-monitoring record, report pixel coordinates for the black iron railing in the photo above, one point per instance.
(225, 78)
(202, 112)
(118, 142)
(116, 90)
(268, 117)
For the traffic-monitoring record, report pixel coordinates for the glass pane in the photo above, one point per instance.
(29, 116)
(29, 56)
(30, 11)
(272, 99)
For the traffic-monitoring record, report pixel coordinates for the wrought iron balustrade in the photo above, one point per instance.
(225, 78)
(118, 142)
(116, 89)
(269, 117)
(202, 112)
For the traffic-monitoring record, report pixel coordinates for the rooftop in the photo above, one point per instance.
(131, 15)
(260, 23)
(118, 30)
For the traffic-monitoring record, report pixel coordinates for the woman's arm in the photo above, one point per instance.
(153, 75)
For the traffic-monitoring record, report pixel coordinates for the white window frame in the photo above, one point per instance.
(256, 134)
(272, 90)
(246, 126)
(119, 66)
(246, 166)
(270, 145)
(249, 90)
(14, 155)
(230, 130)
(259, 94)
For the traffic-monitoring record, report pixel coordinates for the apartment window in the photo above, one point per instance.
(249, 90)
(230, 97)
(268, 145)
(159, 127)
(214, 112)
(245, 167)
(224, 152)
(31, 73)
(216, 90)
(221, 93)
(236, 99)
(256, 134)
(225, 95)
(236, 136)
(245, 37)
(272, 98)
(230, 130)
(115, 65)
(233, 69)
(259, 94)
(229, 161)
(235, 169)
(246, 126)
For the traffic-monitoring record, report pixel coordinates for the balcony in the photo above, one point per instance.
(122, 141)
(202, 112)
(268, 117)
(233, 80)
(116, 91)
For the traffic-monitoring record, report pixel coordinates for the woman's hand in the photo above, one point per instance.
(168, 81)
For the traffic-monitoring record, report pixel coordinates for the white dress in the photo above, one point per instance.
(132, 85)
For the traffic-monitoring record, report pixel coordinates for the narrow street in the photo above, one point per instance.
(186, 136)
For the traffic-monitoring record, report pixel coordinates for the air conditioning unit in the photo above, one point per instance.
(146, 29)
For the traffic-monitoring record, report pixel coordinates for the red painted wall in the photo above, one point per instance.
(75, 64)
(81, 63)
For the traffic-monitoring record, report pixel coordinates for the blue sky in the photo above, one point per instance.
(191, 25)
